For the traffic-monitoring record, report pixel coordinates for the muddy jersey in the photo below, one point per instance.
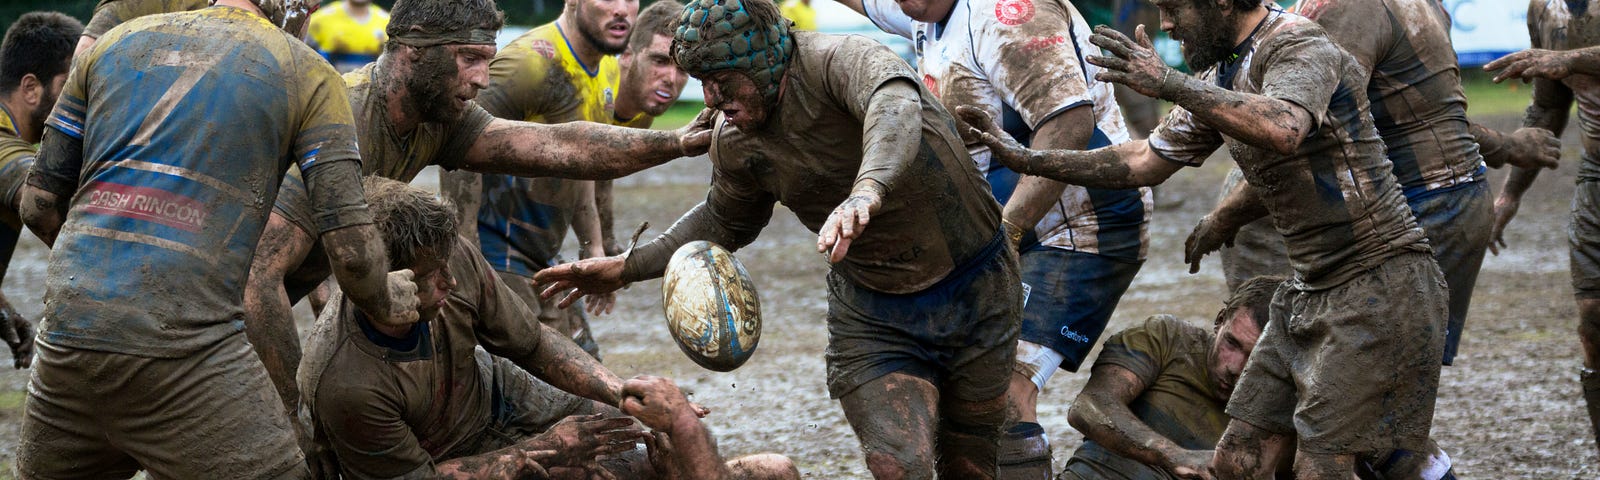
(1563, 25)
(1334, 200)
(384, 151)
(110, 13)
(389, 407)
(1415, 86)
(936, 213)
(538, 78)
(188, 121)
(1180, 399)
(16, 157)
(1022, 61)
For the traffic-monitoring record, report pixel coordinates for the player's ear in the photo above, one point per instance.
(32, 89)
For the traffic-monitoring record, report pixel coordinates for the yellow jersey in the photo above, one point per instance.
(348, 43)
(804, 17)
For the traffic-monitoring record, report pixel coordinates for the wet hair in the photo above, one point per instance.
(660, 18)
(413, 221)
(1254, 296)
(40, 43)
(1238, 5)
(437, 17)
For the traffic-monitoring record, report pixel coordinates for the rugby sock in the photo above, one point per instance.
(1591, 397)
(1025, 453)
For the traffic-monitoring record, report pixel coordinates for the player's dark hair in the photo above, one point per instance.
(40, 43)
(660, 18)
(412, 221)
(1254, 296)
(1238, 5)
(438, 16)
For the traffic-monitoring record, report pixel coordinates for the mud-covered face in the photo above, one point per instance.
(434, 284)
(926, 10)
(1234, 341)
(737, 97)
(652, 77)
(606, 23)
(444, 78)
(1206, 32)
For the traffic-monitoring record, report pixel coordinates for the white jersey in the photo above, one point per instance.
(1022, 61)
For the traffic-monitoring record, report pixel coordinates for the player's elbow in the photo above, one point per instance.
(1286, 143)
(1078, 415)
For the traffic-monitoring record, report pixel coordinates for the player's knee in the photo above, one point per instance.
(764, 466)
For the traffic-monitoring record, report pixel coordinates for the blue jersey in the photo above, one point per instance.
(188, 121)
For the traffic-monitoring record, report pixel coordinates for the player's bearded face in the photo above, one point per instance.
(737, 97)
(607, 23)
(1206, 32)
(444, 78)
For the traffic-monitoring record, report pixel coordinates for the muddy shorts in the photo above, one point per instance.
(1354, 368)
(1072, 297)
(570, 321)
(960, 334)
(1458, 221)
(213, 414)
(1583, 235)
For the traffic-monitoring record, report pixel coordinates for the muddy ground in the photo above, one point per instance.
(1510, 408)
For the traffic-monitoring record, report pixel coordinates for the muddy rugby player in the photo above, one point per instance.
(561, 72)
(1080, 247)
(413, 109)
(34, 59)
(142, 362)
(1562, 71)
(924, 294)
(1419, 109)
(1358, 373)
(478, 388)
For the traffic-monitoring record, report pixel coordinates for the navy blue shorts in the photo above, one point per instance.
(1072, 297)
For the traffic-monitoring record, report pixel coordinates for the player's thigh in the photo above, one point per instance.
(894, 417)
(63, 435)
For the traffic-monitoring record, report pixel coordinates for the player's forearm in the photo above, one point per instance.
(1239, 207)
(1550, 107)
(1035, 196)
(580, 150)
(43, 212)
(1118, 166)
(700, 223)
(1518, 181)
(360, 264)
(586, 225)
(891, 135)
(566, 366)
(509, 462)
(694, 449)
(1491, 144)
(50, 185)
(605, 216)
(1256, 120)
(1111, 424)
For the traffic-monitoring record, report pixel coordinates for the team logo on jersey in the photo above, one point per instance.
(608, 98)
(1014, 12)
(544, 47)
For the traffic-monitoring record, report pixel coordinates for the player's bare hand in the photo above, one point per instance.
(655, 401)
(1208, 236)
(1133, 63)
(982, 127)
(1532, 148)
(694, 139)
(593, 276)
(600, 303)
(402, 299)
(17, 332)
(1505, 208)
(848, 221)
(1533, 63)
(579, 439)
(1190, 464)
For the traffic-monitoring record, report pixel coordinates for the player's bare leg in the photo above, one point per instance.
(894, 418)
(968, 445)
(1024, 451)
(1589, 335)
(1249, 452)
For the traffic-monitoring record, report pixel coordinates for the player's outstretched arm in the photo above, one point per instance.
(1526, 147)
(1256, 120)
(582, 150)
(1238, 208)
(660, 405)
(1125, 165)
(1101, 413)
(892, 133)
(355, 247)
(564, 365)
(1547, 64)
(50, 185)
(1548, 111)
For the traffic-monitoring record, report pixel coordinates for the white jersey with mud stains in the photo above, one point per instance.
(1022, 61)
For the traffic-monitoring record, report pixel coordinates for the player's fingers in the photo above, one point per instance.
(554, 288)
(630, 404)
(1111, 76)
(863, 216)
(839, 250)
(827, 235)
(1114, 36)
(1143, 37)
(700, 410)
(1113, 63)
(1118, 47)
(571, 297)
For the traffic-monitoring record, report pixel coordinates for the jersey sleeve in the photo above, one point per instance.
(855, 71)
(1184, 139)
(886, 14)
(324, 148)
(504, 325)
(367, 431)
(51, 172)
(1143, 349)
(1302, 67)
(461, 135)
(1036, 63)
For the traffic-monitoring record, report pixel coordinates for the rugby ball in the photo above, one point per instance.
(711, 304)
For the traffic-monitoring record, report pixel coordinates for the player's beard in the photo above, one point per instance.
(587, 27)
(1210, 40)
(432, 83)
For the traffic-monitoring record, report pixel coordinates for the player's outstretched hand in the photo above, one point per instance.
(1505, 208)
(402, 299)
(1135, 63)
(580, 439)
(694, 139)
(601, 303)
(1532, 63)
(17, 332)
(655, 401)
(1532, 148)
(1191, 465)
(847, 222)
(591, 276)
(979, 126)
(1208, 236)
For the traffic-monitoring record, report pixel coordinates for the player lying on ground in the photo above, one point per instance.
(478, 388)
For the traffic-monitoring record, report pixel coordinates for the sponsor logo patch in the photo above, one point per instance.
(148, 204)
(1014, 12)
(545, 48)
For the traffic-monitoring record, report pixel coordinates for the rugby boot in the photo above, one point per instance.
(1025, 453)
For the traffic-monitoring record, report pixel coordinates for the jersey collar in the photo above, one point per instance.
(574, 53)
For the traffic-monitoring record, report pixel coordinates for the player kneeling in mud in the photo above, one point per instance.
(518, 398)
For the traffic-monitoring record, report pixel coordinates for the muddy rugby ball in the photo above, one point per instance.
(711, 304)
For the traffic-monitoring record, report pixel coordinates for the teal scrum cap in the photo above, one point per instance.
(748, 36)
